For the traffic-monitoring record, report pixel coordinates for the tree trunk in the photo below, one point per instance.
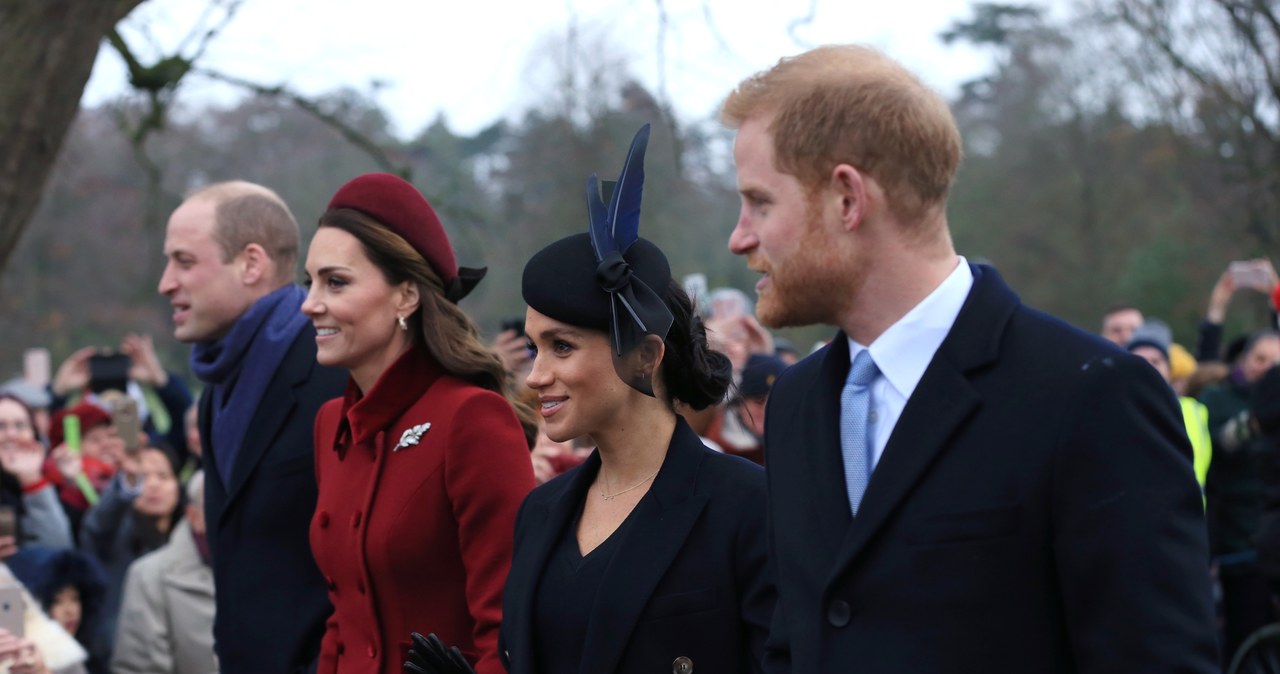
(49, 47)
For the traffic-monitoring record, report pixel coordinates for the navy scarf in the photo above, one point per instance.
(239, 367)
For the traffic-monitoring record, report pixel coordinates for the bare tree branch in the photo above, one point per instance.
(375, 151)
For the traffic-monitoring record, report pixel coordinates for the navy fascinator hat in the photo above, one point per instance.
(608, 279)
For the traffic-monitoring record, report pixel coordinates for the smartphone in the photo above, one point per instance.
(12, 608)
(1250, 274)
(8, 521)
(36, 366)
(108, 372)
(124, 416)
(516, 324)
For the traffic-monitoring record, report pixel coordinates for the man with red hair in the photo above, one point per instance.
(957, 483)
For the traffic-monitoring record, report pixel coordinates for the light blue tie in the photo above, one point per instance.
(855, 427)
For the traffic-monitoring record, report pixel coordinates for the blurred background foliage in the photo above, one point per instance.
(1122, 153)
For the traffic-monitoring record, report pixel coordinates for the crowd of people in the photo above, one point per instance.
(633, 479)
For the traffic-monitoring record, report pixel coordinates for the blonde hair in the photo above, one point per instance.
(850, 104)
(441, 327)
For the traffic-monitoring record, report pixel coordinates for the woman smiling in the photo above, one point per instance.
(422, 465)
(649, 557)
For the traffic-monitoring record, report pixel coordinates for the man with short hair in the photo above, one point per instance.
(232, 250)
(1119, 322)
(957, 483)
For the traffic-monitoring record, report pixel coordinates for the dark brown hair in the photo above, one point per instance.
(440, 326)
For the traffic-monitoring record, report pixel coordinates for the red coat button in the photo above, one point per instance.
(342, 648)
(328, 580)
(355, 520)
(373, 652)
(360, 586)
(323, 519)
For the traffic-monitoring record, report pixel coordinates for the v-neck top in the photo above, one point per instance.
(566, 595)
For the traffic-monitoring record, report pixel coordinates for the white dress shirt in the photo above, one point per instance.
(904, 351)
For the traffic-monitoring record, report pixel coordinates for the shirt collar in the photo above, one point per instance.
(904, 351)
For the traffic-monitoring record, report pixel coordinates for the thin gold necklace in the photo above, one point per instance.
(610, 497)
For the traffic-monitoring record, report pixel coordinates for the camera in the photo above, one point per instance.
(108, 371)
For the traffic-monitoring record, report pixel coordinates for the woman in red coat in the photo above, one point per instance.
(422, 465)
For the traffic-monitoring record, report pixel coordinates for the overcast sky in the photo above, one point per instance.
(479, 61)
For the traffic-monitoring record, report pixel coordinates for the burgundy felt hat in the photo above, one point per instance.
(400, 207)
(91, 416)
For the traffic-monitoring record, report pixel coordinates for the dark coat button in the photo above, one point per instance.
(682, 665)
(342, 648)
(323, 519)
(839, 613)
(355, 520)
(360, 586)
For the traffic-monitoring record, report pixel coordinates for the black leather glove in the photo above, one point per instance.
(428, 655)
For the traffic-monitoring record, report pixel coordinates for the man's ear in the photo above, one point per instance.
(255, 265)
(853, 188)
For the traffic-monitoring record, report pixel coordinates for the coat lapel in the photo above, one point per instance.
(831, 495)
(938, 408)
(278, 403)
(660, 525)
(546, 522)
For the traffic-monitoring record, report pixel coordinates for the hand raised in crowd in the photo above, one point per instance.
(68, 462)
(73, 373)
(759, 340)
(130, 468)
(1227, 285)
(1221, 297)
(428, 655)
(146, 367)
(21, 654)
(24, 459)
(513, 349)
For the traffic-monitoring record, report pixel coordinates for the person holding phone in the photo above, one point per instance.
(134, 368)
(30, 513)
(422, 465)
(650, 556)
(1257, 275)
(512, 347)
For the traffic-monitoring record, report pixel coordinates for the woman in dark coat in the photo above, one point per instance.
(422, 465)
(650, 557)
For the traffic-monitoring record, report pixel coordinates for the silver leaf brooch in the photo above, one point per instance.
(412, 436)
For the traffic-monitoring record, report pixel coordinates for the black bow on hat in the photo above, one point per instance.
(636, 309)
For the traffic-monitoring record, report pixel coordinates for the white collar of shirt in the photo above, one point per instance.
(904, 351)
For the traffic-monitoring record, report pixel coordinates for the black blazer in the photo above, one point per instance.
(271, 599)
(1033, 511)
(688, 581)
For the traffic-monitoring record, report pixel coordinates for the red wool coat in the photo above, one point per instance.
(416, 537)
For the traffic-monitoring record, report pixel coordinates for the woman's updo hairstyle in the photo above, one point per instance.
(694, 373)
